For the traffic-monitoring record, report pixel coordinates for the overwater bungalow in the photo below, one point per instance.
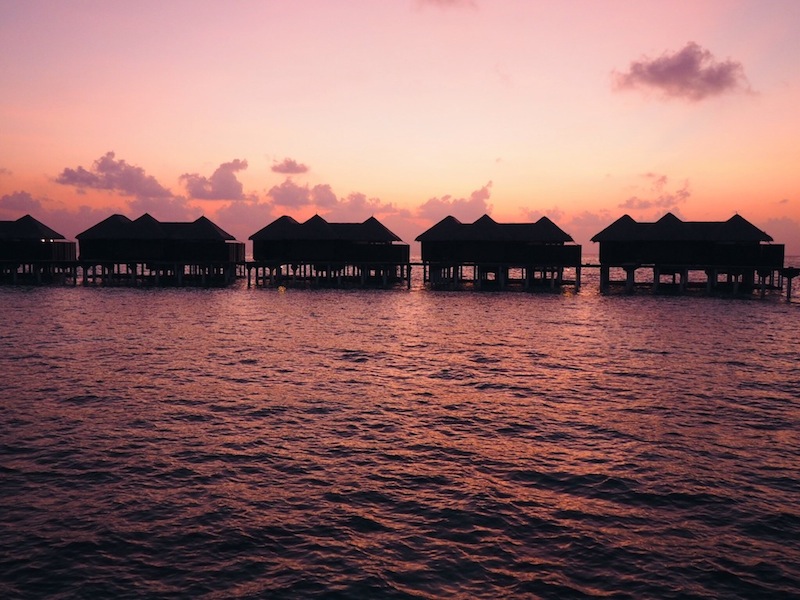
(31, 252)
(730, 254)
(320, 253)
(147, 251)
(487, 254)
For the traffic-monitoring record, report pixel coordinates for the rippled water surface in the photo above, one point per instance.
(410, 444)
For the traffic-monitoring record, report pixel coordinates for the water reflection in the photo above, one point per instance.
(396, 444)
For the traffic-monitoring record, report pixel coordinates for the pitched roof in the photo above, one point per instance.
(317, 228)
(283, 228)
(670, 228)
(740, 229)
(115, 226)
(148, 228)
(200, 229)
(370, 230)
(487, 229)
(446, 229)
(27, 228)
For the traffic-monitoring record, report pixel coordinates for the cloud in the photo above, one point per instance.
(593, 220)
(691, 73)
(464, 209)
(68, 220)
(584, 225)
(243, 218)
(71, 221)
(4, 171)
(322, 195)
(357, 207)
(289, 166)
(107, 173)
(20, 202)
(222, 185)
(658, 196)
(176, 208)
(290, 194)
(658, 181)
(534, 214)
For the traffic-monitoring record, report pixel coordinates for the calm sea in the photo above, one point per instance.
(235, 443)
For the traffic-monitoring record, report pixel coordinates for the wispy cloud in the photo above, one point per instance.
(4, 171)
(584, 225)
(108, 173)
(221, 185)
(555, 214)
(466, 209)
(289, 166)
(691, 73)
(658, 195)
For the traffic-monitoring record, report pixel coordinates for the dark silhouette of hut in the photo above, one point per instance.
(490, 254)
(31, 252)
(735, 249)
(146, 250)
(323, 253)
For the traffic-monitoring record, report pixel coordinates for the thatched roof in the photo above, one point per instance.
(27, 228)
(670, 228)
(146, 227)
(486, 229)
(316, 228)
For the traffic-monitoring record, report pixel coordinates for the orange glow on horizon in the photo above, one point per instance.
(504, 108)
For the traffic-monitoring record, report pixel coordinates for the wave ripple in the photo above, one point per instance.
(229, 444)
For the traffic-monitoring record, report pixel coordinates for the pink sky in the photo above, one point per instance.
(407, 110)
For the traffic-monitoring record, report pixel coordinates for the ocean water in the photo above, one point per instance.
(235, 443)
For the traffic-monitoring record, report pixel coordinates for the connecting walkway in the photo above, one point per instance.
(435, 276)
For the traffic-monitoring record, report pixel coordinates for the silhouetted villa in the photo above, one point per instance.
(320, 252)
(149, 251)
(734, 249)
(31, 252)
(487, 253)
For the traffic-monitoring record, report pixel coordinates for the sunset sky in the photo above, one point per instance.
(408, 110)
